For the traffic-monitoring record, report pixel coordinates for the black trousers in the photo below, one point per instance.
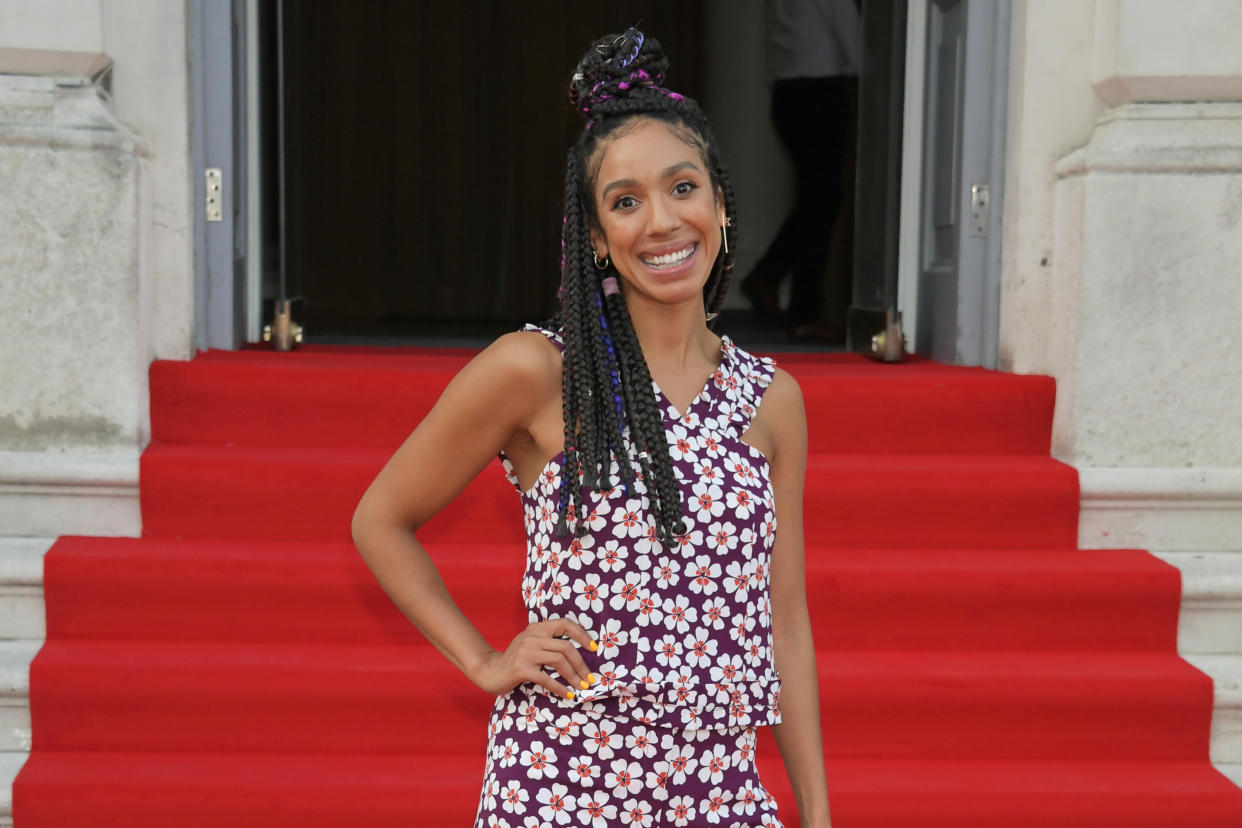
(812, 118)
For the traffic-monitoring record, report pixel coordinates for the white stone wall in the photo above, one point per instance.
(1121, 278)
(1052, 111)
(65, 25)
(150, 95)
(1149, 230)
(1155, 50)
(1121, 247)
(73, 365)
(69, 262)
(96, 253)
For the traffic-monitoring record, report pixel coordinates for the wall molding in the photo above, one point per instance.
(1160, 139)
(53, 493)
(1161, 508)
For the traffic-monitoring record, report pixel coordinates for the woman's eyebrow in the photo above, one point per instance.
(666, 173)
(676, 168)
(620, 182)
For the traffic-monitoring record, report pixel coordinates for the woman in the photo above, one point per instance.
(668, 611)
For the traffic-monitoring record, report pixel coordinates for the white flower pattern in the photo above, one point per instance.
(666, 735)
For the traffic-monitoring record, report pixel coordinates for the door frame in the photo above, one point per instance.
(254, 193)
(908, 236)
(224, 76)
(970, 335)
(226, 133)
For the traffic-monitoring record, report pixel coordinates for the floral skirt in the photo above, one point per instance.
(552, 762)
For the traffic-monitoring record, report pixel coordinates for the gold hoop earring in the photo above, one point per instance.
(599, 266)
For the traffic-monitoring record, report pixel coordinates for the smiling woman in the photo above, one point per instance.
(660, 227)
(668, 616)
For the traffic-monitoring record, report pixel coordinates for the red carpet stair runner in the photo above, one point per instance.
(238, 665)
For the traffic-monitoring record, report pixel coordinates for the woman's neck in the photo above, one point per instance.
(675, 338)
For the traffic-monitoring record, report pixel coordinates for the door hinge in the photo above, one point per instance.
(215, 210)
(978, 209)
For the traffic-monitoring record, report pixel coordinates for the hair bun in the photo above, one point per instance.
(615, 66)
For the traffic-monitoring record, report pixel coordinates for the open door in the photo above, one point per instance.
(945, 296)
(963, 163)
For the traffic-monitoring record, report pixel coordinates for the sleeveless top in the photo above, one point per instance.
(684, 633)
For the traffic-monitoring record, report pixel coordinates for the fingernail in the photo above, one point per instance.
(594, 646)
(584, 685)
(569, 694)
(591, 677)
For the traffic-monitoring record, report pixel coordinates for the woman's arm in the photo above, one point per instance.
(798, 735)
(494, 398)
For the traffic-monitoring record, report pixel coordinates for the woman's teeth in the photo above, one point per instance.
(669, 259)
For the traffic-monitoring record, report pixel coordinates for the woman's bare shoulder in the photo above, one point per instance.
(523, 362)
(783, 397)
(528, 352)
(784, 413)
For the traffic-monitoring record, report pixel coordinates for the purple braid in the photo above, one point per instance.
(624, 61)
(639, 78)
(606, 338)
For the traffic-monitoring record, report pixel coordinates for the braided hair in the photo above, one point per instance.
(606, 386)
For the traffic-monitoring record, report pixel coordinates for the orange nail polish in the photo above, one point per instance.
(569, 694)
(591, 677)
(583, 685)
(594, 646)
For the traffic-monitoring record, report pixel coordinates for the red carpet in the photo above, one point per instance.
(238, 665)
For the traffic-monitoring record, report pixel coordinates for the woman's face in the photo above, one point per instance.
(659, 215)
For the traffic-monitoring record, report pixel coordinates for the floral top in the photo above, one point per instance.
(685, 634)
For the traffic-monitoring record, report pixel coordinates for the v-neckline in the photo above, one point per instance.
(704, 391)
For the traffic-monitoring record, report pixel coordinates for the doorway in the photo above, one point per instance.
(424, 150)
(425, 155)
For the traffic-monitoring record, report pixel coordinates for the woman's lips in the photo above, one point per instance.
(673, 261)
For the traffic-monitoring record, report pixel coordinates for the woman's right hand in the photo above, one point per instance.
(549, 643)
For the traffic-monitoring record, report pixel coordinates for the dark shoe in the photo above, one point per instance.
(763, 297)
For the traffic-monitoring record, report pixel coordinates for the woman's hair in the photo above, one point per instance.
(606, 385)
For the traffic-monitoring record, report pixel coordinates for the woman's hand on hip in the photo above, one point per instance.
(544, 643)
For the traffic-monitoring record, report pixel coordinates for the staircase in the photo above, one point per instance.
(239, 665)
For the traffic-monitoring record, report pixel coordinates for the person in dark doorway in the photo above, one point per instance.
(660, 469)
(813, 59)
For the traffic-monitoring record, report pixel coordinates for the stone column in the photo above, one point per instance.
(1129, 251)
(73, 395)
(1146, 295)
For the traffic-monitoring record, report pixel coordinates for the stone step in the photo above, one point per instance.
(1226, 673)
(15, 658)
(1209, 636)
(1210, 620)
(22, 630)
(21, 587)
(11, 762)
